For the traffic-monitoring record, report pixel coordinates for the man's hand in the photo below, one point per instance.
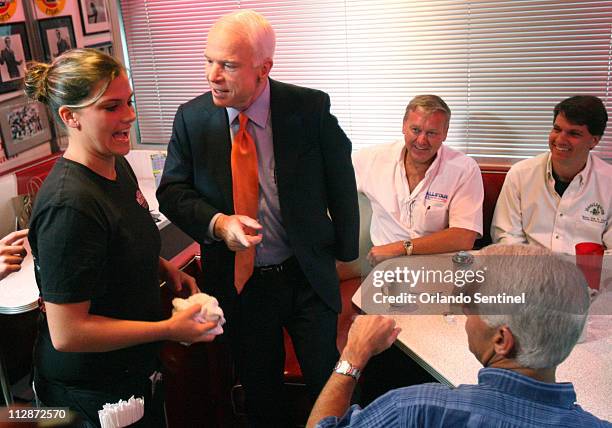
(369, 335)
(12, 252)
(176, 279)
(383, 252)
(238, 231)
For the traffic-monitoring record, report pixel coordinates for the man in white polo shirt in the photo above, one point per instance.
(564, 196)
(426, 198)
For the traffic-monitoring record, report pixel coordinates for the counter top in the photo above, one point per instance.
(18, 291)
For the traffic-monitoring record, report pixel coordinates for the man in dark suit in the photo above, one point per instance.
(7, 56)
(305, 214)
(62, 44)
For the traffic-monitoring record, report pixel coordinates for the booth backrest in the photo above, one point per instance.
(492, 180)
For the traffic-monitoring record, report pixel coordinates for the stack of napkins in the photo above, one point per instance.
(210, 310)
(121, 414)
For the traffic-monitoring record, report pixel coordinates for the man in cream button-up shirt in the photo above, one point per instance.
(424, 196)
(563, 197)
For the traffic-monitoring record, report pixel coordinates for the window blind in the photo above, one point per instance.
(500, 65)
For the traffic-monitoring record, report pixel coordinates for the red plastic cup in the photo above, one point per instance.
(589, 257)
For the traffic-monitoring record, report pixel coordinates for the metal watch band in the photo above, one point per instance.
(345, 368)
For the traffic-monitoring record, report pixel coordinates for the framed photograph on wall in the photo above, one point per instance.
(94, 16)
(24, 125)
(14, 52)
(57, 36)
(106, 47)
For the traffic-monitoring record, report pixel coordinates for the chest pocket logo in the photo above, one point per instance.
(595, 213)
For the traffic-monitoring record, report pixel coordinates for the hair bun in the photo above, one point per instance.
(36, 81)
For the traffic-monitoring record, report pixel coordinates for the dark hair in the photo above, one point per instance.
(584, 110)
(71, 79)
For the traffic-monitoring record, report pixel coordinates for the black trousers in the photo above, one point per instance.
(274, 298)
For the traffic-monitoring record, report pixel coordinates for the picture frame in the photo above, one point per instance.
(106, 47)
(94, 16)
(13, 57)
(57, 36)
(24, 125)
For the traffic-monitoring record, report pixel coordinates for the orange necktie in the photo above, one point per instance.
(245, 185)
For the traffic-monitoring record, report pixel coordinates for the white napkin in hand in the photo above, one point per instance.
(210, 310)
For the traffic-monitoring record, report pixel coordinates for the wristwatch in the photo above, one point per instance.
(345, 368)
(408, 247)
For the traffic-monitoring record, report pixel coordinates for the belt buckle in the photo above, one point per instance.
(272, 268)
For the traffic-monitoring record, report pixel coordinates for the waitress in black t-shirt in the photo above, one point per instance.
(96, 249)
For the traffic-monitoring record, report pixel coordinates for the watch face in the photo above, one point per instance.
(344, 366)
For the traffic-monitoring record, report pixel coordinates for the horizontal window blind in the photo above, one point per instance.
(500, 65)
(526, 56)
(165, 45)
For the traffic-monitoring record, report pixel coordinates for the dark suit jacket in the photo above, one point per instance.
(315, 179)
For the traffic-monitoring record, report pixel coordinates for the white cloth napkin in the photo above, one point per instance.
(210, 310)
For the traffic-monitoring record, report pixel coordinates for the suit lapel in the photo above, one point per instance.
(285, 122)
(219, 150)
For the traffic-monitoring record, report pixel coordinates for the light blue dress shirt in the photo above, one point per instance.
(502, 399)
(274, 247)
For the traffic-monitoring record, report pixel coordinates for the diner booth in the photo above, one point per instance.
(201, 385)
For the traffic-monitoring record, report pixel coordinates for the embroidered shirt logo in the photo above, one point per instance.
(595, 213)
(142, 201)
(434, 196)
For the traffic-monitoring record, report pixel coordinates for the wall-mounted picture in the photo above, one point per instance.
(24, 125)
(14, 52)
(106, 47)
(57, 35)
(94, 16)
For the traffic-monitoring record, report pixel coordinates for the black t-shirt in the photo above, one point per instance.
(560, 186)
(94, 239)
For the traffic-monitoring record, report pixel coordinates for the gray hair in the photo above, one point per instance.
(255, 28)
(429, 104)
(547, 326)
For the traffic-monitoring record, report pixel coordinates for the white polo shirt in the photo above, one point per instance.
(450, 194)
(529, 210)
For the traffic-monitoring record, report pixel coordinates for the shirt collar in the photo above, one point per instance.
(434, 165)
(513, 383)
(258, 112)
(581, 176)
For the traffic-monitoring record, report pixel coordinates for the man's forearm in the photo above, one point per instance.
(445, 241)
(334, 400)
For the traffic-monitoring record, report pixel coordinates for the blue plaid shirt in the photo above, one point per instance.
(502, 399)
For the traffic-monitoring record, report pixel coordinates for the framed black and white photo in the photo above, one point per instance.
(106, 47)
(24, 125)
(14, 52)
(57, 36)
(94, 16)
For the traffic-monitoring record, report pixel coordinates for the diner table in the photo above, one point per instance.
(438, 343)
